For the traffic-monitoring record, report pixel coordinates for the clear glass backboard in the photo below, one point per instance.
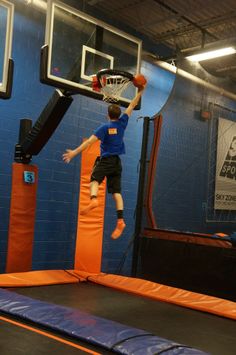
(77, 46)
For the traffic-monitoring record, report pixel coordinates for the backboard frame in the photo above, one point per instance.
(8, 65)
(46, 53)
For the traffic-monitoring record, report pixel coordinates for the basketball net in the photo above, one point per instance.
(111, 87)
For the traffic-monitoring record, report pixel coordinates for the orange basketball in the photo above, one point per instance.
(139, 80)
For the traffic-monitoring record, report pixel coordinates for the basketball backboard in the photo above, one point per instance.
(77, 46)
(6, 64)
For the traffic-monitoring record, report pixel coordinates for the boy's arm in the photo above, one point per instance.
(135, 101)
(70, 154)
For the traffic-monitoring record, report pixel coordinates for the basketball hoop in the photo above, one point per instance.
(112, 83)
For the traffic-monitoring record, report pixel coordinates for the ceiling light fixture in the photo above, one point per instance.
(211, 54)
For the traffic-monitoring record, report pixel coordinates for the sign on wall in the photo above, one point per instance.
(225, 182)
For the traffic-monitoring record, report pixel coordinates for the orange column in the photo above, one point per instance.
(22, 218)
(88, 253)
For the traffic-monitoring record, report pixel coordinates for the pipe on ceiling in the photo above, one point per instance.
(173, 69)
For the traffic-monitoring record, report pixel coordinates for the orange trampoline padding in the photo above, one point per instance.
(22, 219)
(188, 299)
(39, 278)
(88, 253)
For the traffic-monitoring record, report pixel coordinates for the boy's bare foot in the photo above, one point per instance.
(93, 204)
(120, 226)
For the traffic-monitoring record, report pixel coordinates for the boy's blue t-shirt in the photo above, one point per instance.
(111, 136)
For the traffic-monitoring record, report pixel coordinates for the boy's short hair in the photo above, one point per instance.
(114, 111)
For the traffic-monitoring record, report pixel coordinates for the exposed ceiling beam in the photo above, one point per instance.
(221, 20)
(132, 6)
(161, 3)
(158, 22)
(94, 2)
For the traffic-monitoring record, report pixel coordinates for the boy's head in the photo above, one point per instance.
(114, 111)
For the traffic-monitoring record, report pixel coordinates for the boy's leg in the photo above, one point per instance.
(93, 198)
(97, 177)
(94, 189)
(114, 187)
(120, 226)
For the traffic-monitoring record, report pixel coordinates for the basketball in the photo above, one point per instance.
(139, 80)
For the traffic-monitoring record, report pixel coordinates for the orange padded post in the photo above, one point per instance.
(88, 253)
(22, 219)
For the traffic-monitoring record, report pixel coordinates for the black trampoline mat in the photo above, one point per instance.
(204, 331)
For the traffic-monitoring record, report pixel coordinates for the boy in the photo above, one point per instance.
(108, 164)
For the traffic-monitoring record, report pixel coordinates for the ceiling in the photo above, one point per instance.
(181, 25)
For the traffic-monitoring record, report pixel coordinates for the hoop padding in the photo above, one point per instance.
(113, 83)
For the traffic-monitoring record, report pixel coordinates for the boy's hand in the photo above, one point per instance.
(68, 155)
(141, 88)
(135, 100)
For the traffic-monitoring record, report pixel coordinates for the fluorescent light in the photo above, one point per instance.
(211, 54)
